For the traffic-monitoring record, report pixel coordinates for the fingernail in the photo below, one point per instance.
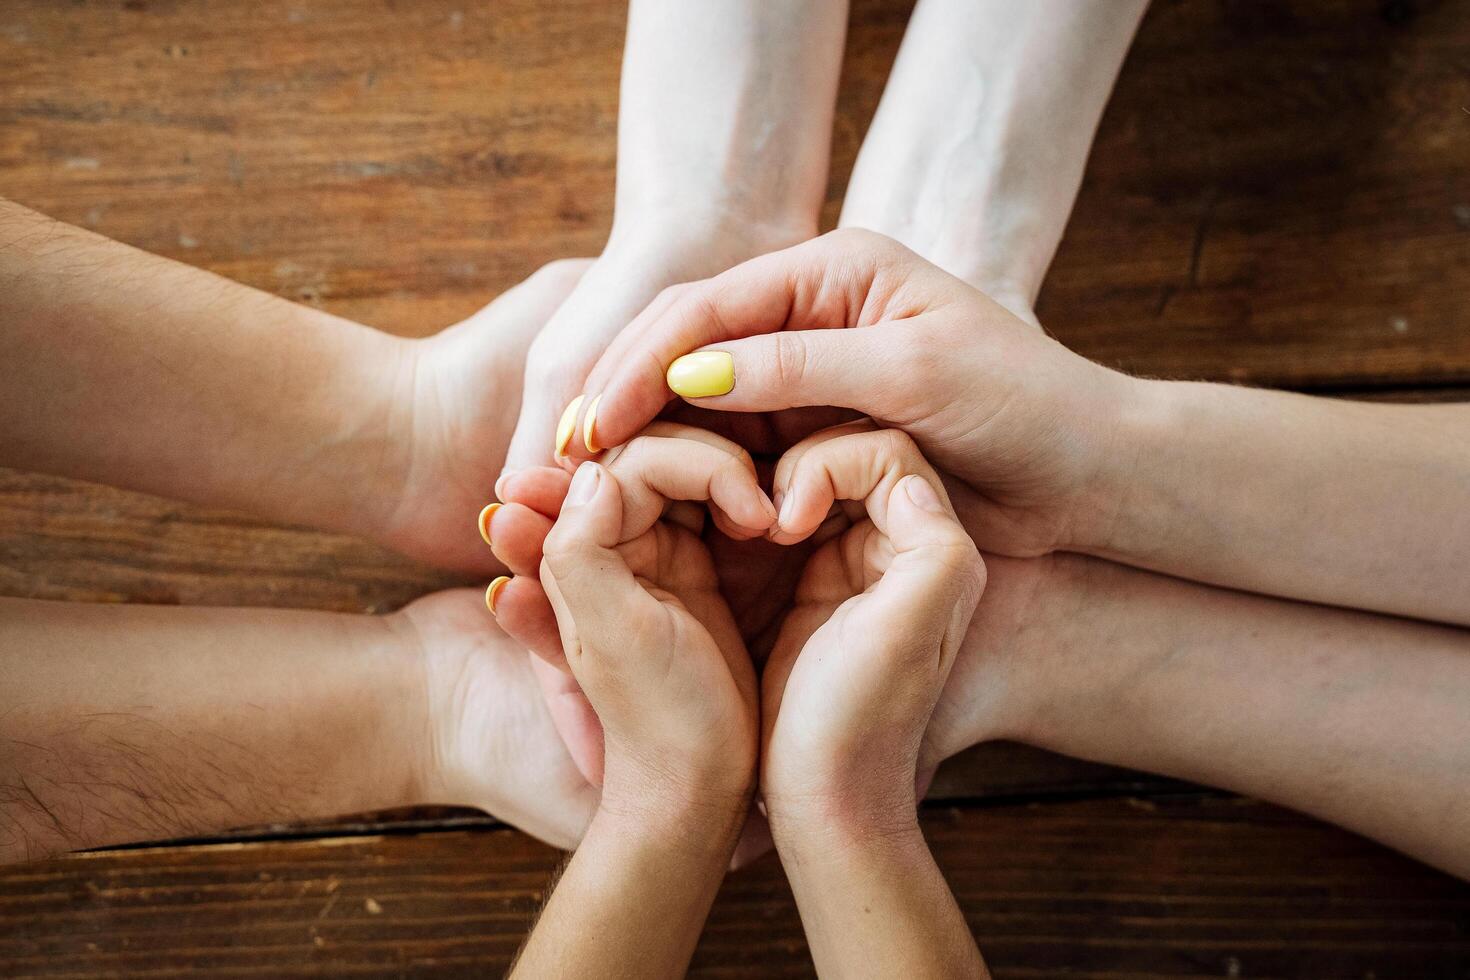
(703, 374)
(788, 507)
(584, 485)
(493, 592)
(589, 427)
(484, 522)
(500, 483)
(922, 494)
(567, 426)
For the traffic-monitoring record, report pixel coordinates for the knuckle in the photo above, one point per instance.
(789, 360)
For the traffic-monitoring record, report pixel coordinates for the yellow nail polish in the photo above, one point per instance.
(567, 426)
(493, 592)
(484, 522)
(589, 427)
(703, 374)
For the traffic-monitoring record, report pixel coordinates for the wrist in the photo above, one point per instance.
(1133, 429)
(368, 457)
(701, 240)
(687, 820)
(843, 831)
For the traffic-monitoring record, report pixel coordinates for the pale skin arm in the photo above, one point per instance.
(1361, 720)
(726, 111)
(875, 904)
(634, 898)
(724, 131)
(125, 723)
(1351, 503)
(978, 147)
(125, 368)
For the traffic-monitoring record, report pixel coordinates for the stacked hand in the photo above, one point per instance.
(856, 321)
(845, 697)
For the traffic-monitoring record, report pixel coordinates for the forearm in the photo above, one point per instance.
(1359, 719)
(123, 723)
(634, 897)
(978, 147)
(726, 112)
(133, 370)
(1348, 503)
(874, 904)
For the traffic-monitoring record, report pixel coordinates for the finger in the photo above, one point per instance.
(540, 488)
(936, 576)
(599, 603)
(822, 284)
(545, 295)
(679, 463)
(574, 719)
(515, 534)
(521, 608)
(855, 461)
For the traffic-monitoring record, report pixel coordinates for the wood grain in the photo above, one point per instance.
(1190, 887)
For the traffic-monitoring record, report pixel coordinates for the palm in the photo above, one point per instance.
(492, 737)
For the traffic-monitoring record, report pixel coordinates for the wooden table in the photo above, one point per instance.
(1279, 195)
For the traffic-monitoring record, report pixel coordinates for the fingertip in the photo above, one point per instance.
(519, 536)
(589, 427)
(483, 522)
(922, 494)
(492, 592)
(541, 488)
(566, 427)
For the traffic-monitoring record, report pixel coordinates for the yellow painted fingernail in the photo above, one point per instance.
(493, 592)
(589, 427)
(485, 516)
(567, 426)
(703, 374)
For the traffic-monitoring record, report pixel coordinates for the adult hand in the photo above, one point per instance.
(491, 743)
(855, 320)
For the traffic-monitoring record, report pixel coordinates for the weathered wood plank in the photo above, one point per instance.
(1184, 888)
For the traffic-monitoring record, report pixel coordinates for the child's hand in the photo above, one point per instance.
(862, 657)
(644, 629)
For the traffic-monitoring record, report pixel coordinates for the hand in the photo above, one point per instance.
(642, 625)
(628, 275)
(1025, 423)
(454, 408)
(489, 739)
(862, 657)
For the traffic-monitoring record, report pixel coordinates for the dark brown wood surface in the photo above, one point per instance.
(1169, 888)
(1279, 194)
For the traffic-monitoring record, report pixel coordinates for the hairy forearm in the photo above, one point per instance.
(125, 723)
(634, 897)
(134, 370)
(977, 150)
(1326, 500)
(1359, 719)
(874, 904)
(726, 110)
